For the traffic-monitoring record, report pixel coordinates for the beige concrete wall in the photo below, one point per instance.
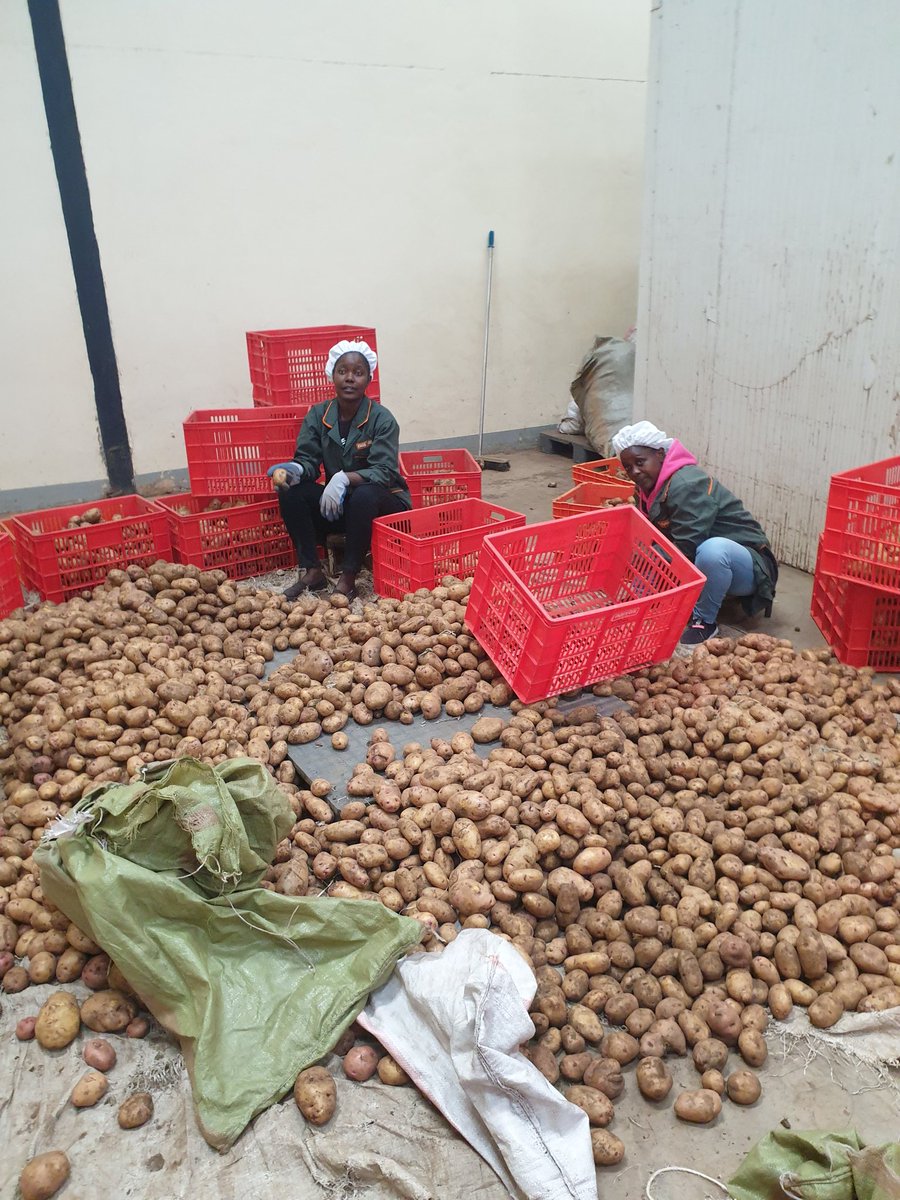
(47, 414)
(770, 301)
(279, 164)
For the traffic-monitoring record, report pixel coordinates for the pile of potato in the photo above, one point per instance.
(91, 516)
(720, 849)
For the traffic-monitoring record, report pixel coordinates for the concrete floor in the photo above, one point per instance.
(535, 480)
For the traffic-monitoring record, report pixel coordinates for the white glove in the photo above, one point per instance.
(332, 503)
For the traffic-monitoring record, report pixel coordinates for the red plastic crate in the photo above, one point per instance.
(241, 538)
(607, 470)
(287, 366)
(564, 604)
(439, 476)
(860, 623)
(58, 563)
(10, 588)
(6, 526)
(861, 540)
(587, 497)
(417, 549)
(229, 450)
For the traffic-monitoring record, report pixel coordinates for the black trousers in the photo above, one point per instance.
(308, 528)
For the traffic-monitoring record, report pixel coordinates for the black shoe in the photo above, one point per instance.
(307, 581)
(698, 632)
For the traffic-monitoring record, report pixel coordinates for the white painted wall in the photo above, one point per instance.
(47, 413)
(770, 291)
(278, 164)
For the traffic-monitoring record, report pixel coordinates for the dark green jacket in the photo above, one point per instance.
(691, 507)
(371, 449)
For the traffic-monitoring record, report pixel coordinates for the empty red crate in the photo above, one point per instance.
(860, 623)
(417, 549)
(241, 538)
(287, 366)
(861, 540)
(10, 588)
(229, 450)
(439, 476)
(606, 470)
(586, 497)
(561, 605)
(58, 563)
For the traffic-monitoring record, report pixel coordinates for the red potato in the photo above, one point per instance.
(360, 1063)
(99, 1054)
(25, 1028)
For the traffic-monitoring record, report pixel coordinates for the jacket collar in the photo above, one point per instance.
(362, 414)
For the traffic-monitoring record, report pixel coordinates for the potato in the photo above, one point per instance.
(44, 1175)
(487, 729)
(825, 1011)
(608, 1150)
(543, 1057)
(699, 1107)
(135, 1111)
(598, 1106)
(605, 1074)
(390, 1072)
(90, 1088)
(573, 1066)
(714, 1081)
(710, 1055)
(108, 1011)
(752, 1046)
(743, 1087)
(100, 1054)
(58, 1021)
(360, 1063)
(137, 1028)
(620, 1046)
(25, 1028)
(315, 1095)
(780, 1002)
(95, 973)
(587, 1023)
(724, 1022)
(653, 1079)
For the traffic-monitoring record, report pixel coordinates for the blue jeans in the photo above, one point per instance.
(728, 568)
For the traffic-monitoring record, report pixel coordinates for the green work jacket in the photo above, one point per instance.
(371, 448)
(692, 507)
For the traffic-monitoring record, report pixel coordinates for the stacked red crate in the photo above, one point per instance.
(287, 366)
(856, 591)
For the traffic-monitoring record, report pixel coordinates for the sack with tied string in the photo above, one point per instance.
(163, 873)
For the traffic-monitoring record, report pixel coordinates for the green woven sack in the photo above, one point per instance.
(164, 874)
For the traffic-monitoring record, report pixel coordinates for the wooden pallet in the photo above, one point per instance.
(571, 445)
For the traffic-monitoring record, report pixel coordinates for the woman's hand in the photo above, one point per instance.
(332, 502)
(285, 475)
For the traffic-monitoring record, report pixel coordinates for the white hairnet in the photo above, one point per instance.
(643, 433)
(362, 348)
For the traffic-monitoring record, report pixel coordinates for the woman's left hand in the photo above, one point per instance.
(332, 503)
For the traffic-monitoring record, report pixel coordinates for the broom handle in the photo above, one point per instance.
(487, 334)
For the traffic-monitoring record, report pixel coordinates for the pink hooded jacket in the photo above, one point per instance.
(676, 458)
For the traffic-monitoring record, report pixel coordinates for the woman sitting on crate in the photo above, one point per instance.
(356, 442)
(707, 523)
